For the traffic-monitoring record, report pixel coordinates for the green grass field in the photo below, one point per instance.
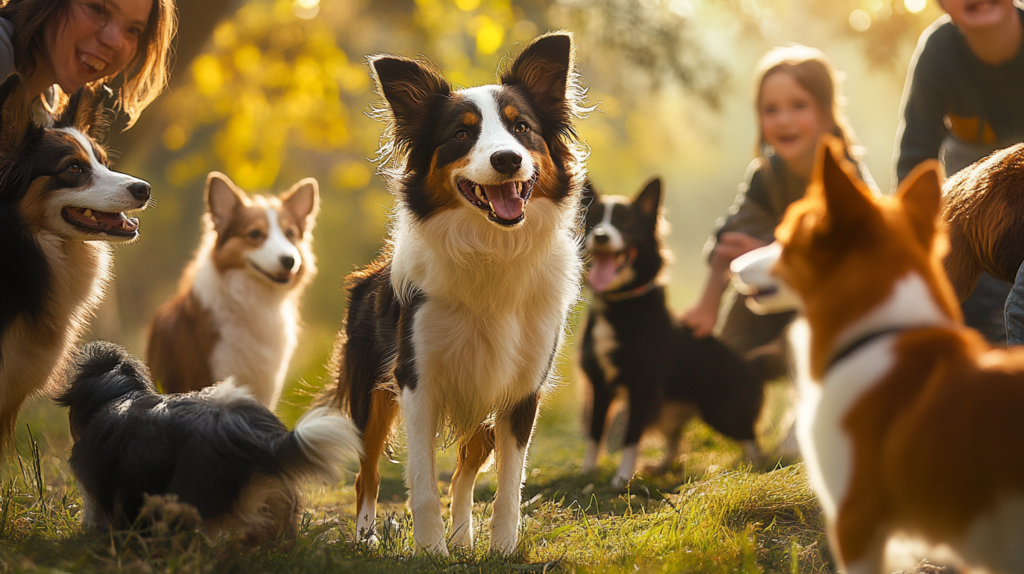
(708, 515)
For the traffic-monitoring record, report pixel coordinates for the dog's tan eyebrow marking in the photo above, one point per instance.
(470, 118)
(511, 113)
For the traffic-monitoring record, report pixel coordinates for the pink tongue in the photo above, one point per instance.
(602, 271)
(505, 200)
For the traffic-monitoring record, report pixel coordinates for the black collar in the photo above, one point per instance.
(856, 345)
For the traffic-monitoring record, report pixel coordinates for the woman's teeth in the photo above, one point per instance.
(94, 63)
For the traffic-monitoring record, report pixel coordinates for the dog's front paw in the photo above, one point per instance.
(428, 536)
(620, 481)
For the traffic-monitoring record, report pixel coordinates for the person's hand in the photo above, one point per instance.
(701, 319)
(732, 244)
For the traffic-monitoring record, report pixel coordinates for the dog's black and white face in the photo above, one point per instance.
(622, 239)
(489, 149)
(58, 177)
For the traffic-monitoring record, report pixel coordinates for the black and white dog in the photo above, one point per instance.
(632, 341)
(218, 450)
(60, 207)
(460, 320)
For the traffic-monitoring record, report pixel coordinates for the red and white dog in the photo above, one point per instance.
(460, 320)
(910, 423)
(236, 311)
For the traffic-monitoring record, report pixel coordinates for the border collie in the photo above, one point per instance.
(460, 320)
(236, 311)
(59, 207)
(633, 342)
(218, 450)
(896, 393)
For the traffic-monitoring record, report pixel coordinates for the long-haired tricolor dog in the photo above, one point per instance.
(465, 311)
(236, 312)
(218, 450)
(632, 341)
(910, 423)
(984, 215)
(59, 207)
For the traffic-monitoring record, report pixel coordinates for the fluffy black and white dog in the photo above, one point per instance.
(460, 321)
(218, 450)
(632, 341)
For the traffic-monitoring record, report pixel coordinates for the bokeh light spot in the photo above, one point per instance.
(490, 36)
(860, 20)
(914, 6)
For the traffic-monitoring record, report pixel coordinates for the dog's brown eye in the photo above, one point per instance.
(290, 234)
(256, 234)
(521, 128)
(74, 168)
(462, 135)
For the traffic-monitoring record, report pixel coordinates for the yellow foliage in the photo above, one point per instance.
(206, 71)
(351, 175)
(490, 36)
(174, 137)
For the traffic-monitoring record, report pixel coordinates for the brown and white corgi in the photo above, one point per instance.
(236, 311)
(60, 206)
(460, 321)
(910, 423)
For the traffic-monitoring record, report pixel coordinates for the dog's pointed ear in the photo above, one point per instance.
(545, 68)
(303, 201)
(920, 194)
(410, 89)
(223, 197)
(649, 200)
(86, 112)
(16, 118)
(835, 182)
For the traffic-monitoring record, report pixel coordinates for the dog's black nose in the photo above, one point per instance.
(287, 261)
(506, 162)
(139, 190)
(600, 236)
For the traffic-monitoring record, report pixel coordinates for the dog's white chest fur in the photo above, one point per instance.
(258, 327)
(604, 345)
(495, 308)
(825, 443)
(79, 272)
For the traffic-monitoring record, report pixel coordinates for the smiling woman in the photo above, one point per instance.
(73, 43)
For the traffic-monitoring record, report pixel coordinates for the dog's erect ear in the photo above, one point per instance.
(86, 112)
(921, 197)
(544, 68)
(847, 200)
(303, 201)
(410, 89)
(223, 197)
(650, 198)
(16, 118)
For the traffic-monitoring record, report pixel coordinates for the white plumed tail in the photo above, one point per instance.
(328, 440)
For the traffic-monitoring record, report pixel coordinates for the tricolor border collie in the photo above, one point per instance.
(59, 207)
(236, 311)
(910, 423)
(632, 341)
(217, 450)
(460, 320)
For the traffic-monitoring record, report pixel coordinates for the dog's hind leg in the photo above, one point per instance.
(383, 408)
(92, 514)
(596, 415)
(513, 431)
(473, 454)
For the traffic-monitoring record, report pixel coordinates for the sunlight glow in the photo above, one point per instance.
(914, 6)
(860, 20)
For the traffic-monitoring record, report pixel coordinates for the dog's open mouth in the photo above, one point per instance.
(505, 203)
(101, 221)
(282, 277)
(605, 266)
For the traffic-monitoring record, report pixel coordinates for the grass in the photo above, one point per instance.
(707, 515)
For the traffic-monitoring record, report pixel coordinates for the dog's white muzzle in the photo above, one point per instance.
(752, 277)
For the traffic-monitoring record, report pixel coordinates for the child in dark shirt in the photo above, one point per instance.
(797, 101)
(962, 101)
